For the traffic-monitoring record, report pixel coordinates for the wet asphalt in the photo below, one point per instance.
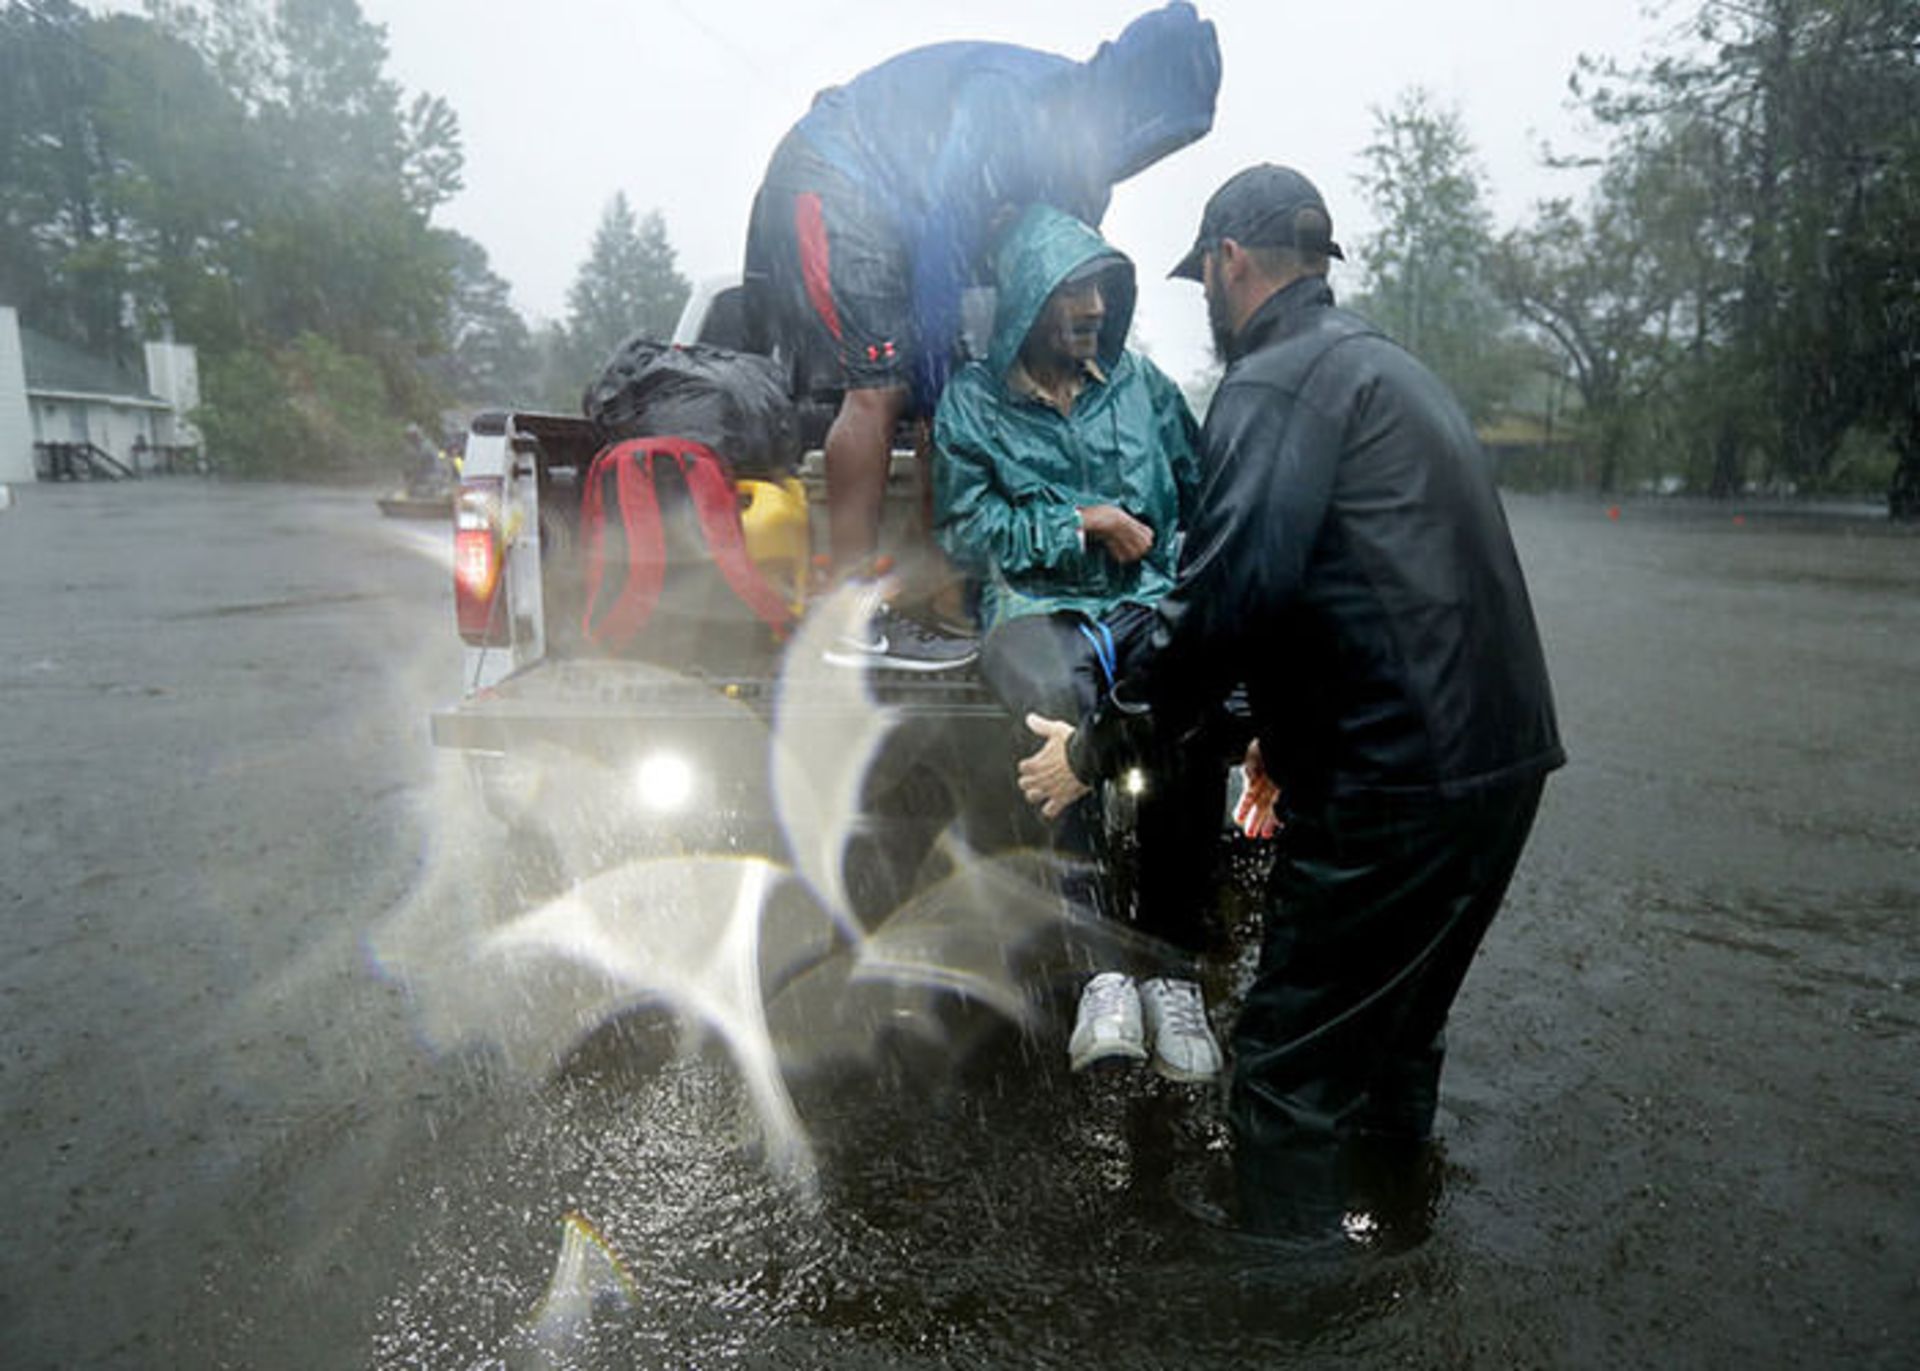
(237, 1126)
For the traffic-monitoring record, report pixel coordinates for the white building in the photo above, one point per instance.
(52, 392)
(16, 419)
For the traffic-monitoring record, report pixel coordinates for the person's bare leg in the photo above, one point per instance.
(859, 448)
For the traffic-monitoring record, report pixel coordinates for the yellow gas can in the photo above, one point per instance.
(774, 517)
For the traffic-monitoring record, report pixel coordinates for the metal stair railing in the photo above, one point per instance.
(82, 462)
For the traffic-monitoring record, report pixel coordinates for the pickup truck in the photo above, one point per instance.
(592, 758)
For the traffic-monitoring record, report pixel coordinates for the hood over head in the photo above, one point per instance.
(1043, 248)
(1152, 89)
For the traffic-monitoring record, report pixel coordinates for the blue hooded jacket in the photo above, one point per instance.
(945, 137)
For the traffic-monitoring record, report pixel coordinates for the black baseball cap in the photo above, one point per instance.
(1260, 207)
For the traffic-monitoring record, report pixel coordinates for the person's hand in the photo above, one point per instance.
(1046, 778)
(1118, 531)
(1255, 815)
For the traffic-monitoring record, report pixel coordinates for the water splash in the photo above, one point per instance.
(817, 772)
(685, 933)
(966, 934)
(767, 958)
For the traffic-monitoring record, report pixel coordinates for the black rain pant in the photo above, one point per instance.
(1374, 914)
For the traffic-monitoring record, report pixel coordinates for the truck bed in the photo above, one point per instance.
(560, 732)
(598, 702)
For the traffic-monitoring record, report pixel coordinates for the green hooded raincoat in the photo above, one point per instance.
(1012, 471)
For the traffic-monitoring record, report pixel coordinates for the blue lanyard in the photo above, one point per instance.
(1096, 632)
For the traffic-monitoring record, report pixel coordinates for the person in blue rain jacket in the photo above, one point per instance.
(878, 206)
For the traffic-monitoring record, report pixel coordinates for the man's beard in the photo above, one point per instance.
(1217, 321)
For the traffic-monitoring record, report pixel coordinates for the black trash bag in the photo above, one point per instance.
(732, 402)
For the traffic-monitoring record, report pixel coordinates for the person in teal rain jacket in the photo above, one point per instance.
(1065, 466)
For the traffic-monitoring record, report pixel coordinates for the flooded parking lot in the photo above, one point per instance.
(1678, 1119)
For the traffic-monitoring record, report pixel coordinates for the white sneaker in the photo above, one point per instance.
(1108, 1024)
(1175, 1015)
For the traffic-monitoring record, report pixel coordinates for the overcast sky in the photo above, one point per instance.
(679, 103)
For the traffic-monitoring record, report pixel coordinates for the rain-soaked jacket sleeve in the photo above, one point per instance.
(980, 523)
(1267, 481)
(990, 159)
(955, 222)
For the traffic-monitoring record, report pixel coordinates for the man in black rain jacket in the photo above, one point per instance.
(1350, 563)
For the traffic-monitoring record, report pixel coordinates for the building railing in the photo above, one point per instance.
(91, 462)
(80, 462)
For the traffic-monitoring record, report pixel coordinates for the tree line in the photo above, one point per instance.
(245, 176)
(1734, 305)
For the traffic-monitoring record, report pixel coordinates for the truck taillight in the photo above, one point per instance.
(476, 562)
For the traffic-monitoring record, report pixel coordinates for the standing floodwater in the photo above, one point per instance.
(1678, 1116)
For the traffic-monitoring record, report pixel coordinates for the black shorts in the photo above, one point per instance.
(827, 278)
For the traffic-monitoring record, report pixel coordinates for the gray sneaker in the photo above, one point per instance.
(1108, 1025)
(1175, 1017)
(893, 642)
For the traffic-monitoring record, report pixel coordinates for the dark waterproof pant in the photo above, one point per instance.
(1050, 664)
(1375, 911)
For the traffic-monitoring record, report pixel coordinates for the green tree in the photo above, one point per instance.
(245, 173)
(338, 242)
(1629, 293)
(308, 409)
(1812, 106)
(562, 375)
(335, 245)
(629, 284)
(312, 74)
(1425, 266)
(60, 220)
(179, 137)
(489, 357)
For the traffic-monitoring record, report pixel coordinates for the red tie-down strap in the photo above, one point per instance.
(619, 607)
(613, 620)
(716, 502)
